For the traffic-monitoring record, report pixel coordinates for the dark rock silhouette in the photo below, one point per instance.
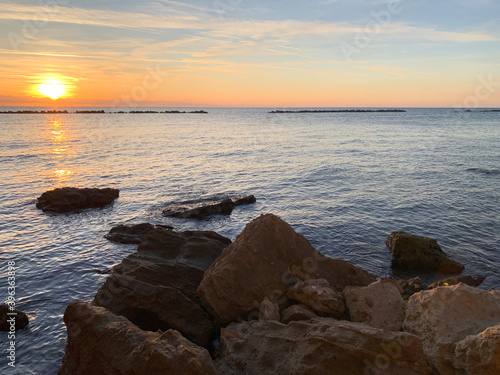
(468, 280)
(202, 210)
(21, 319)
(70, 199)
(132, 234)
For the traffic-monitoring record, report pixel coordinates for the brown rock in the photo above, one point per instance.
(102, 343)
(269, 310)
(319, 296)
(318, 346)
(70, 198)
(155, 288)
(19, 319)
(418, 253)
(444, 316)
(379, 305)
(411, 286)
(479, 354)
(468, 280)
(297, 312)
(267, 257)
(132, 234)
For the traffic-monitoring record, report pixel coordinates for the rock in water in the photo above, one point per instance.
(317, 346)
(444, 316)
(240, 201)
(100, 342)
(268, 257)
(70, 199)
(379, 305)
(418, 253)
(468, 280)
(21, 320)
(132, 234)
(200, 211)
(479, 354)
(155, 288)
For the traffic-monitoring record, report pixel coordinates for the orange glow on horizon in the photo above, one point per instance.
(53, 87)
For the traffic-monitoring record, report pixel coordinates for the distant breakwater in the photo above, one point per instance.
(339, 111)
(92, 112)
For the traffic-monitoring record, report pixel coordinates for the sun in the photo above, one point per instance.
(54, 89)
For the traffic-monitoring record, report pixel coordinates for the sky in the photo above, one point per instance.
(250, 53)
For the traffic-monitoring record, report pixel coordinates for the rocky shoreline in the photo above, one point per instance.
(195, 302)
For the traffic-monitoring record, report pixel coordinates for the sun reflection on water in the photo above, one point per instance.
(60, 151)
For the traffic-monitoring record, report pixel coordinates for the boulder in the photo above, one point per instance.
(202, 210)
(411, 286)
(479, 354)
(100, 342)
(267, 257)
(379, 305)
(132, 234)
(318, 295)
(418, 253)
(70, 199)
(297, 312)
(454, 280)
(155, 288)
(317, 346)
(12, 318)
(444, 316)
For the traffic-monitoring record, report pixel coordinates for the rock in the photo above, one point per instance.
(479, 354)
(297, 312)
(132, 234)
(318, 346)
(319, 296)
(240, 201)
(444, 316)
(20, 319)
(418, 253)
(267, 257)
(468, 280)
(411, 286)
(70, 199)
(379, 305)
(269, 310)
(100, 342)
(155, 288)
(224, 207)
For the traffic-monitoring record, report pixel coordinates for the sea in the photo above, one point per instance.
(343, 180)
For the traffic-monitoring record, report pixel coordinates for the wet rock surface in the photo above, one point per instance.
(132, 234)
(202, 210)
(69, 199)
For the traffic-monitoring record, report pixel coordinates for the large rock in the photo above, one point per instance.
(155, 288)
(418, 253)
(318, 346)
(268, 257)
(101, 343)
(202, 210)
(12, 319)
(444, 316)
(297, 312)
(70, 199)
(319, 296)
(132, 234)
(479, 354)
(379, 305)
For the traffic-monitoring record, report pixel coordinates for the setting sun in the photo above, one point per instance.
(53, 89)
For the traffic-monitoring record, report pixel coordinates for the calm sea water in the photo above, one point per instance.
(343, 180)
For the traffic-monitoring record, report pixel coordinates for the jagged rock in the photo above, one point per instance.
(155, 288)
(268, 257)
(411, 286)
(70, 199)
(444, 316)
(418, 253)
(132, 234)
(317, 346)
(479, 354)
(319, 296)
(297, 312)
(200, 211)
(20, 321)
(269, 310)
(468, 280)
(379, 305)
(100, 342)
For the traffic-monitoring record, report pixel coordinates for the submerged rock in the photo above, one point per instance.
(418, 253)
(155, 288)
(20, 321)
(202, 210)
(266, 259)
(100, 342)
(444, 316)
(132, 234)
(317, 346)
(70, 199)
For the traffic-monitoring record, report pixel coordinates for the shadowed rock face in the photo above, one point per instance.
(102, 343)
(155, 288)
(202, 210)
(266, 259)
(320, 346)
(21, 319)
(70, 199)
(468, 280)
(418, 253)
